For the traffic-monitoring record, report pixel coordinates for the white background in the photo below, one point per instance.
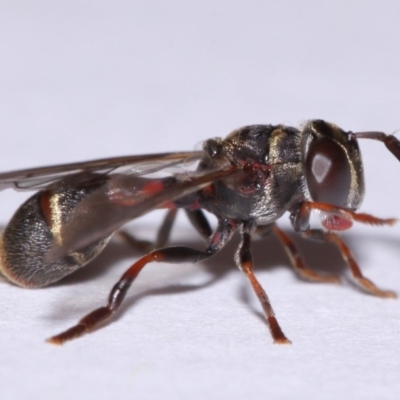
(91, 79)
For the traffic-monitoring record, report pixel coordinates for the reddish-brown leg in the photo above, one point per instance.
(297, 260)
(176, 254)
(244, 261)
(364, 282)
(300, 220)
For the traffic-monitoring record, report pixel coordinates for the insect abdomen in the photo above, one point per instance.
(29, 236)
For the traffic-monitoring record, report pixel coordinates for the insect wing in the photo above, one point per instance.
(41, 177)
(122, 199)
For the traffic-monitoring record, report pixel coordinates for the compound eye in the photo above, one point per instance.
(328, 172)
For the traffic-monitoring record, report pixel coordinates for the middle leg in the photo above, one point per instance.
(244, 261)
(297, 260)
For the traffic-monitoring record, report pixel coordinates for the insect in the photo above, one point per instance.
(247, 180)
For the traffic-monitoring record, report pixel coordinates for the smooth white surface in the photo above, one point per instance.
(90, 79)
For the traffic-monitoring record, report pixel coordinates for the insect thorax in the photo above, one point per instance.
(270, 173)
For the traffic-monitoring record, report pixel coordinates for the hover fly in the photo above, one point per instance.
(247, 180)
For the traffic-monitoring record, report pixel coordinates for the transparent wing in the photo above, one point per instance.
(122, 199)
(39, 178)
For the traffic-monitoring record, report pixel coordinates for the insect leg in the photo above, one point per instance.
(199, 222)
(364, 282)
(138, 244)
(196, 217)
(162, 235)
(338, 218)
(176, 254)
(165, 228)
(244, 261)
(297, 260)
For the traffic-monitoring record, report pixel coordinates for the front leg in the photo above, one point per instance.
(336, 219)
